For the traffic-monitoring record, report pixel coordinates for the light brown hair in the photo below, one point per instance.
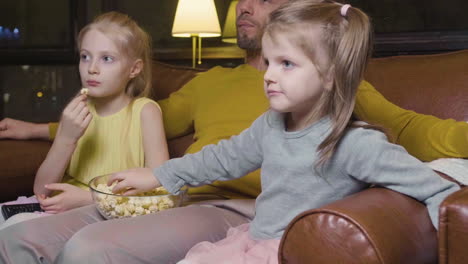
(346, 40)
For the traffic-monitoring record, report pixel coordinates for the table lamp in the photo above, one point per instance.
(196, 19)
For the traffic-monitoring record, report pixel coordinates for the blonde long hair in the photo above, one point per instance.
(131, 40)
(347, 41)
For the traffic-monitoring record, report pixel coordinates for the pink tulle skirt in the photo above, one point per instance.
(237, 248)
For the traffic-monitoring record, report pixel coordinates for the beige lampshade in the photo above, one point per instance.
(229, 29)
(196, 17)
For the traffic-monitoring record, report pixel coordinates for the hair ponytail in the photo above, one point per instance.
(351, 39)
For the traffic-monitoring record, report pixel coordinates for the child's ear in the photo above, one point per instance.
(137, 67)
(329, 79)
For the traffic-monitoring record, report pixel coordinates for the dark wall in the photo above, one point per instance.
(44, 58)
(391, 16)
(48, 27)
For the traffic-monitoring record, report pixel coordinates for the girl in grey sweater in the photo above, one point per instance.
(309, 150)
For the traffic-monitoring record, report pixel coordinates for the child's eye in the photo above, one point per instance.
(108, 59)
(84, 57)
(266, 62)
(287, 64)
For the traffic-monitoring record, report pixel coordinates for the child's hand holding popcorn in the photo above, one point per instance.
(133, 181)
(75, 119)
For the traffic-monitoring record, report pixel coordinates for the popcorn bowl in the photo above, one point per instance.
(113, 205)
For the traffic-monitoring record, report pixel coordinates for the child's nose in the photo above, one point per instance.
(93, 68)
(268, 82)
(268, 77)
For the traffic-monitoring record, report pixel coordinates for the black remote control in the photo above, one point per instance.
(9, 210)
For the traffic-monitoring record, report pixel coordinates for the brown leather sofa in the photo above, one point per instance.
(374, 226)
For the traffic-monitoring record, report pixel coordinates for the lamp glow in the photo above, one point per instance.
(196, 19)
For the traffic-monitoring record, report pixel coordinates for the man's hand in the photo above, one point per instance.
(133, 181)
(21, 130)
(69, 198)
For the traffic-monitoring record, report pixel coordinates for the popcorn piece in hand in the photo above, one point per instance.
(84, 91)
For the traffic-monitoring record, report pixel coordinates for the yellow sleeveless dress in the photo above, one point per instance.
(110, 144)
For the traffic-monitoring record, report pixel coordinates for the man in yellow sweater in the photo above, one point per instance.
(215, 105)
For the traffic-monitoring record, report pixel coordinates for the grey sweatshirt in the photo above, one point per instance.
(290, 182)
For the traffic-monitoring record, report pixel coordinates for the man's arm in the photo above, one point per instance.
(425, 137)
(21, 130)
(178, 110)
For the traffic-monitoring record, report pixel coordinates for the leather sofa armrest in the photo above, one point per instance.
(19, 161)
(376, 225)
(453, 228)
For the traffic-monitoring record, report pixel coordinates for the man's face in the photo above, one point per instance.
(252, 15)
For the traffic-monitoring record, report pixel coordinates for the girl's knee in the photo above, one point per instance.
(17, 246)
(81, 248)
(16, 233)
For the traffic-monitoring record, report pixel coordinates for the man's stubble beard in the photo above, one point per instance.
(252, 46)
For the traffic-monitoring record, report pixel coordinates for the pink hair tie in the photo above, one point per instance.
(344, 9)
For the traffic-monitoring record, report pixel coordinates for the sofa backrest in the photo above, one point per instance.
(169, 78)
(429, 84)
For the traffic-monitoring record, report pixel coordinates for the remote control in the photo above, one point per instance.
(9, 210)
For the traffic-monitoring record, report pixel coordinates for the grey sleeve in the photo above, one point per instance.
(229, 159)
(370, 158)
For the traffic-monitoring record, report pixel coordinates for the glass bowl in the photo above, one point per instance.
(112, 205)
